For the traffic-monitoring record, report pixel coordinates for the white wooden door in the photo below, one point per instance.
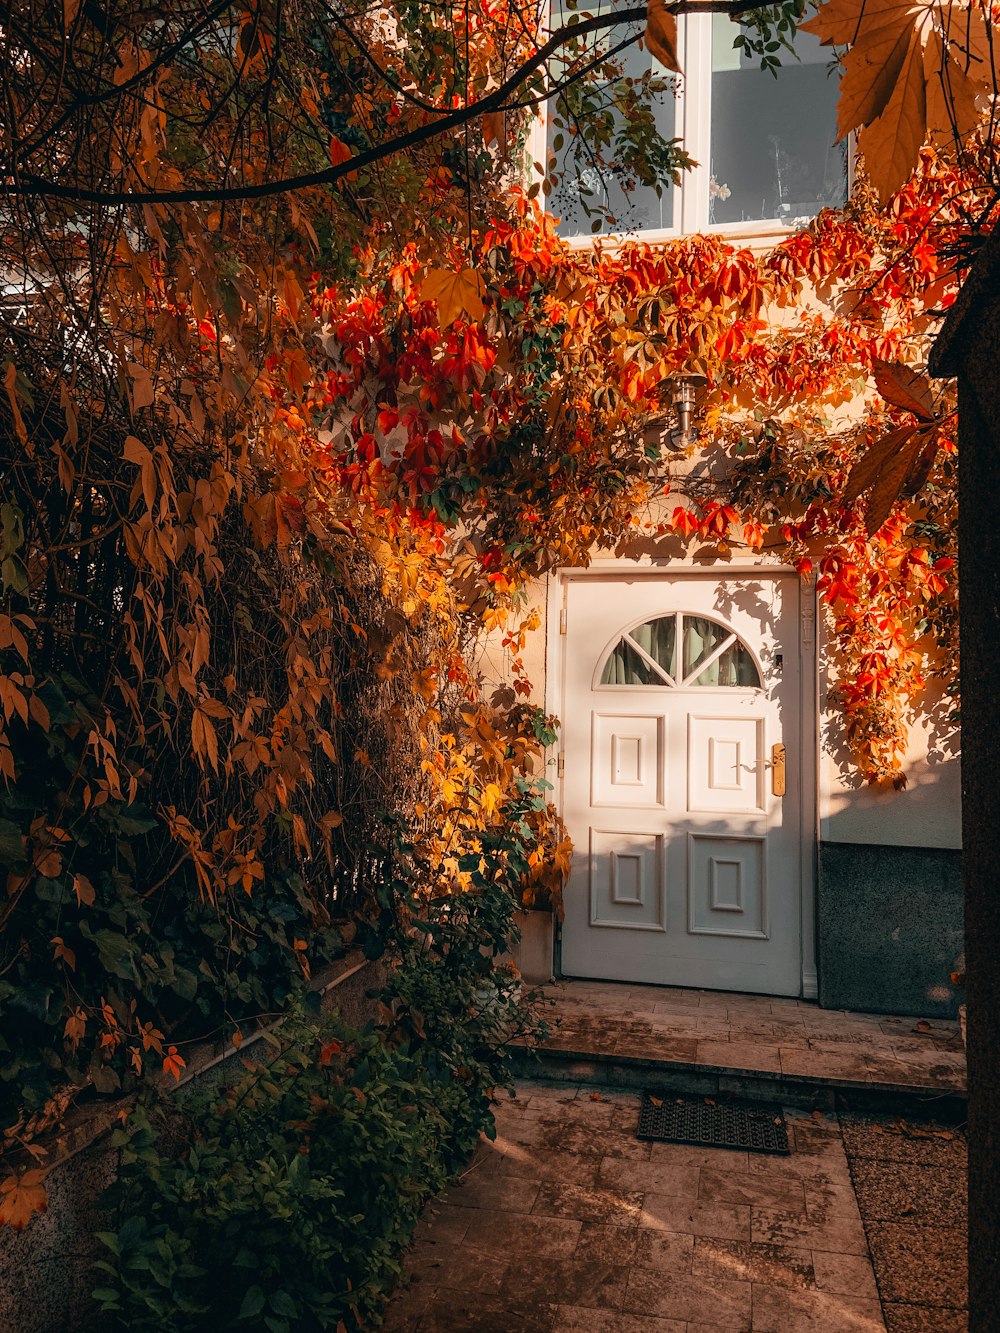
(687, 868)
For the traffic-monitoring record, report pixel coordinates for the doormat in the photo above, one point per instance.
(753, 1126)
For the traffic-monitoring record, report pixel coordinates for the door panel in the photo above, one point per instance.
(725, 765)
(726, 877)
(628, 760)
(626, 880)
(687, 867)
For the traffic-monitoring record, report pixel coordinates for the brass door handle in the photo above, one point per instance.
(777, 767)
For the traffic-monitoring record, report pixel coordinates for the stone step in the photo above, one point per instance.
(564, 1063)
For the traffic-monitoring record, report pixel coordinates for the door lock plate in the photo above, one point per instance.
(778, 769)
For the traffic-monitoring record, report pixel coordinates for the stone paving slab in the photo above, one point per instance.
(712, 1036)
(662, 1238)
(910, 1182)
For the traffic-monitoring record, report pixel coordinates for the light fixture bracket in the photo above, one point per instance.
(683, 388)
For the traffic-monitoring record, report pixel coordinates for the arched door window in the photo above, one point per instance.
(680, 651)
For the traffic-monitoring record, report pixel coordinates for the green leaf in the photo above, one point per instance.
(282, 1303)
(136, 822)
(11, 843)
(253, 1303)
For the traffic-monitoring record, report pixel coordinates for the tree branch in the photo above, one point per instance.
(37, 186)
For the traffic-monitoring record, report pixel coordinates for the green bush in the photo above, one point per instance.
(283, 1199)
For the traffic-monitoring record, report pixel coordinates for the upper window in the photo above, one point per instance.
(680, 651)
(764, 145)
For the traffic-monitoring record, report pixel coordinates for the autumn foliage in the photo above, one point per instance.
(275, 465)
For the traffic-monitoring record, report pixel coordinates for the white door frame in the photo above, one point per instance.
(555, 669)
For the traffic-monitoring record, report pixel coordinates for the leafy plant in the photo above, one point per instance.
(283, 1198)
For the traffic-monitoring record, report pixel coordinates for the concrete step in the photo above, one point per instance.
(564, 1063)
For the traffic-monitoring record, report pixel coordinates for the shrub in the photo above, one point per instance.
(283, 1199)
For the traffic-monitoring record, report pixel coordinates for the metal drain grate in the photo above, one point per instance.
(756, 1126)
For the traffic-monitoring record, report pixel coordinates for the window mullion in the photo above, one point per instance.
(696, 115)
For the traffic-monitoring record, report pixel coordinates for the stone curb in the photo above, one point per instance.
(802, 1090)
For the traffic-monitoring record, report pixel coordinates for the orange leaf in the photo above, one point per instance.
(495, 128)
(661, 34)
(62, 950)
(84, 891)
(21, 1197)
(339, 151)
(953, 97)
(331, 1049)
(920, 468)
(10, 384)
(173, 1063)
(891, 144)
(76, 1026)
(50, 865)
(904, 387)
(889, 484)
(868, 467)
(878, 33)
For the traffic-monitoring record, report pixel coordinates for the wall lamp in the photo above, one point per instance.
(683, 395)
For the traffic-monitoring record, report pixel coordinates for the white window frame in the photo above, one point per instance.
(694, 128)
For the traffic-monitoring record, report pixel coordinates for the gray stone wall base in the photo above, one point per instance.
(889, 928)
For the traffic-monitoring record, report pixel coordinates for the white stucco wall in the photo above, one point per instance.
(926, 813)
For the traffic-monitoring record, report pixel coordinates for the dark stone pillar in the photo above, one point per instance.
(979, 555)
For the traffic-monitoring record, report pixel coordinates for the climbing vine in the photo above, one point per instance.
(517, 405)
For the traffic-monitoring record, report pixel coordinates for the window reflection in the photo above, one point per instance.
(773, 152)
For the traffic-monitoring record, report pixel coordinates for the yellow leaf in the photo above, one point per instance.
(455, 293)
(871, 71)
(661, 34)
(491, 797)
(952, 96)
(21, 1197)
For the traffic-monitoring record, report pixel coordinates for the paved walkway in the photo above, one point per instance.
(910, 1182)
(570, 1224)
(790, 1039)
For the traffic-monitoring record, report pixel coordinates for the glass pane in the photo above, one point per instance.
(586, 191)
(735, 667)
(656, 637)
(701, 637)
(773, 152)
(626, 666)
